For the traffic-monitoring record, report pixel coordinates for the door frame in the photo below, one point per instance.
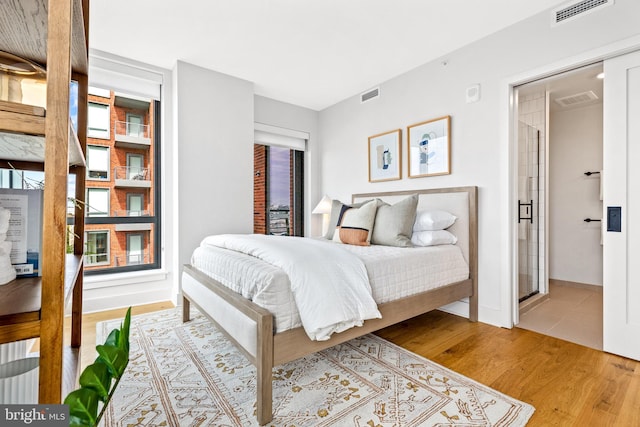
(509, 161)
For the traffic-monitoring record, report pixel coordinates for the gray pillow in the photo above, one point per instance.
(334, 216)
(394, 223)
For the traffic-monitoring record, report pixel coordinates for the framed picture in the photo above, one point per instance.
(429, 147)
(384, 156)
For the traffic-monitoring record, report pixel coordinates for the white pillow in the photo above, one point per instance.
(433, 238)
(433, 220)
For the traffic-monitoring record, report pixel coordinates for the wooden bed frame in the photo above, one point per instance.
(275, 349)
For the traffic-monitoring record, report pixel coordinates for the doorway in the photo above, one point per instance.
(560, 145)
(135, 166)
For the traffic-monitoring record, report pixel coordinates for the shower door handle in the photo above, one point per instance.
(525, 211)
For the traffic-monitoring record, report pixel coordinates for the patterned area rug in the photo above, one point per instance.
(190, 375)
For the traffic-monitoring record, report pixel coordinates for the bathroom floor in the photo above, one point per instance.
(572, 312)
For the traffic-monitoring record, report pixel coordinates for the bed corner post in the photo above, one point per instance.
(264, 366)
(186, 307)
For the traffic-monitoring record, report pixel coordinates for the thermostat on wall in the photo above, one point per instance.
(473, 94)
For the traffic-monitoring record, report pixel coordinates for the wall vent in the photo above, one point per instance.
(577, 99)
(575, 9)
(369, 95)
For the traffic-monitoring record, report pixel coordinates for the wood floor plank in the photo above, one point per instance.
(614, 382)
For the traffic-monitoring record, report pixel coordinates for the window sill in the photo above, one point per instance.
(98, 136)
(95, 264)
(123, 279)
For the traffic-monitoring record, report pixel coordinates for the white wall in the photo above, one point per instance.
(575, 147)
(479, 155)
(289, 116)
(214, 137)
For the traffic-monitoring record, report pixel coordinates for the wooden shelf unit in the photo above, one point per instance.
(53, 33)
(21, 302)
(24, 132)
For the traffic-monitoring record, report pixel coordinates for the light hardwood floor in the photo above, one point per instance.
(568, 384)
(89, 321)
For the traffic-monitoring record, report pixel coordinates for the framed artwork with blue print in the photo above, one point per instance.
(385, 156)
(429, 147)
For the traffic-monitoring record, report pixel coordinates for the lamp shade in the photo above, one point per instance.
(323, 207)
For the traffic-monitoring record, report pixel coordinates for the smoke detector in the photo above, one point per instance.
(576, 99)
(576, 9)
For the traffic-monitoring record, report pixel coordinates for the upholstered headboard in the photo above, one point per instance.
(460, 201)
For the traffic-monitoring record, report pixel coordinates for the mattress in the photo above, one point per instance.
(393, 272)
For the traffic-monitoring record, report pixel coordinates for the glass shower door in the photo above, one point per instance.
(528, 205)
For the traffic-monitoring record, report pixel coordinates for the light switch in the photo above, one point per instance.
(614, 218)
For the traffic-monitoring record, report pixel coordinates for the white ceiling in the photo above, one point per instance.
(312, 53)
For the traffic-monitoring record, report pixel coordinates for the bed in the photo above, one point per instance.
(268, 342)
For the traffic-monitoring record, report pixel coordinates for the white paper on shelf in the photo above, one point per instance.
(18, 205)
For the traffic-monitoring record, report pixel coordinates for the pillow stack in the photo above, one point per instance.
(379, 223)
(430, 227)
(373, 221)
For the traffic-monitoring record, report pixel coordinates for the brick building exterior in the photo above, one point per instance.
(120, 181)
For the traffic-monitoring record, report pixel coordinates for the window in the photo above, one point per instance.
(97, 202)
(120, 204)
(97, 250)
(135, 203)
(129, 95)
(278, 183)
(278, 195)
(135, 125)
(97, 162)
(102, 93)
(98, 121)
(13, 178)
(135, 166)
(135, 253)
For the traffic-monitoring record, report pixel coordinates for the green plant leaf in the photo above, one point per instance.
(115, 358)
(83, 404)
(97, 377)
(113, 338)
(123, 337)
(79, 422)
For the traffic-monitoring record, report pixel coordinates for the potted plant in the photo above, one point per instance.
(99, 380)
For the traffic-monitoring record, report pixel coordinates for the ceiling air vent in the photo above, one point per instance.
(575, 9)
(369, 95)
(577, 99)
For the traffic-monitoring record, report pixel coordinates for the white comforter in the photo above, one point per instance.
(330, 285)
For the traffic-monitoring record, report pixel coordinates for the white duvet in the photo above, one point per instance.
(329, 284)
